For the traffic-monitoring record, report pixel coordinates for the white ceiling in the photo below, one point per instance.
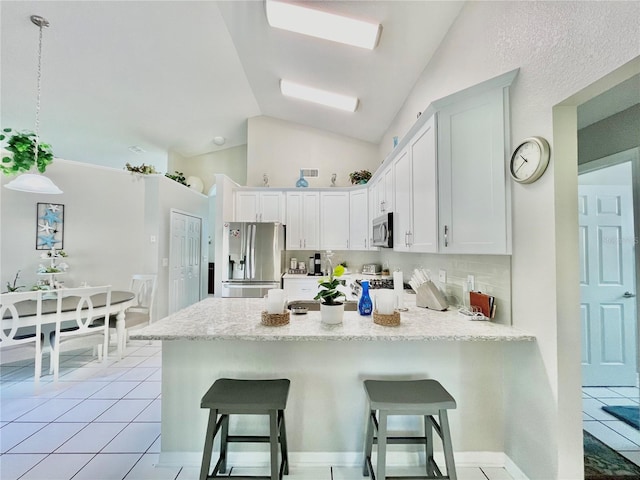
(167, 75)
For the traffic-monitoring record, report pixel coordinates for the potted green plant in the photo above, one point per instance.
(178, 177)
(360, 176)
(331, 309)
(22, 145)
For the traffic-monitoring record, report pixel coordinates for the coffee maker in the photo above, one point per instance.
(317, 264)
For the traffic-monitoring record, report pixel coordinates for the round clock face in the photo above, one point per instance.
(530, 160)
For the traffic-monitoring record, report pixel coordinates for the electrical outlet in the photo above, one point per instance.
(165, 262)
(152, 239)
(442, 276)
(471, 282)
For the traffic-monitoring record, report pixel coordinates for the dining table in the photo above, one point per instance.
(120, 301)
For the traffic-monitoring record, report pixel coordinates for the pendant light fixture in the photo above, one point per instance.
(30, 182)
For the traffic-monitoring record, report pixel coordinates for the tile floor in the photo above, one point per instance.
(102, 422)
(607, 428)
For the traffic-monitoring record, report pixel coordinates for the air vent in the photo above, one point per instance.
(309, 172)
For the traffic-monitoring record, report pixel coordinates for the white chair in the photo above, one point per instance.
(15, 330)
(81, 320)
(141, 312)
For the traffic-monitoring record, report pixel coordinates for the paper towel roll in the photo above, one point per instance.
(398, 289)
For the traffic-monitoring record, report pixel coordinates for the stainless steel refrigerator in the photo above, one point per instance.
(254, 253)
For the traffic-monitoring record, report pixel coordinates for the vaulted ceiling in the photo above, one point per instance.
(172, 75)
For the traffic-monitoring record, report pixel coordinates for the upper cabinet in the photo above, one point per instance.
(473, 210)
(416, 193)
(334, 220)
(303, 220)
(381, 192)
(259, 206)
(359, 219)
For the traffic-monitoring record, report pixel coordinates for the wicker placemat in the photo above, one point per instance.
(392, 320)
(275, 319)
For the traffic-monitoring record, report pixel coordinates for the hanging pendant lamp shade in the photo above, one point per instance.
(32, 182)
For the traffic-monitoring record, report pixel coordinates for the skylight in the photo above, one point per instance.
(316, 23)
(323, 97)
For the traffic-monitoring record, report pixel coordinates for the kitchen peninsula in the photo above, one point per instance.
(326, 365)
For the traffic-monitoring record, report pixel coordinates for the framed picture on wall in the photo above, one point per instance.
(50, 226)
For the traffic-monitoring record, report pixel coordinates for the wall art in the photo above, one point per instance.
(50, 226)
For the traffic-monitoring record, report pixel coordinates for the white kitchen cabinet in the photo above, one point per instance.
(382, 193)
(473, 212)
(303, 220)
(359, 224)
(259, 206)
(415, 216)
(300, 288)
(334, 220)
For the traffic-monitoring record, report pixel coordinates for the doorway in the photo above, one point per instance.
(607, 274)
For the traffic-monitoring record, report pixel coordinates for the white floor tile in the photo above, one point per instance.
(620, 401)
(344, 473)
(494, 473)
(146, 469)
(11, 409)
(139, 373)
(135, 438)
(48, 438)
(106, 466)
(470, 473)
(156, 377)
(593, 407)
(82, 389)
(124, 410)
(625, 430)
(92, 438)
(14, 433)
(149, 390)
(150, 414)
(155, 361)
(43, 390)
(601, 392)
(147, 351)
(189, 473)
(631, 392)
(13, 466)
(49, 411)
(131, 361)
(155, 448)
(115, 390)
(87, 410)
(57, 467)
(634, 456)
(608, 436)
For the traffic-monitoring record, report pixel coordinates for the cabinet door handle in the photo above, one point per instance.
(365, 242)
(305, 243)
(446, 236)
(347, 243)
(300, 243)
(260, 217)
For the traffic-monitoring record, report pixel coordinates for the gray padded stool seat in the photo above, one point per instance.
(408, 397)
(245, 397)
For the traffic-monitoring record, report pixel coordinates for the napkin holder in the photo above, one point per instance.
(429, 296)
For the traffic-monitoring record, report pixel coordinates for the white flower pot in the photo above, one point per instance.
(331, 314)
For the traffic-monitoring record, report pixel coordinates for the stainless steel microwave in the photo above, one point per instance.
(382, 235)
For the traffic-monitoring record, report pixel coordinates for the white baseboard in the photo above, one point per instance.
(347, 459)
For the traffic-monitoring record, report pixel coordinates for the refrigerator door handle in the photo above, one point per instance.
(253, 251)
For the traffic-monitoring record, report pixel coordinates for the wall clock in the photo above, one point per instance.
(530, 160)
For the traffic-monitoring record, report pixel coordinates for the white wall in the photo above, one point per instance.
(280, 149)
(103, 226)
(231, 162)
(560, 48)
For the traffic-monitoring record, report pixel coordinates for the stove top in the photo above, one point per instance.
(375, 283)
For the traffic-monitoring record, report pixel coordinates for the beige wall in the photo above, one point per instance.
(280, 149)
(560, 48)
(231, 162)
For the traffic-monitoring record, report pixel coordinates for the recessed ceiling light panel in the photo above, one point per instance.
(315, 95)
(319, 24)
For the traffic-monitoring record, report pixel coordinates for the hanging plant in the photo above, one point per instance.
(23, 147)
(178, 177)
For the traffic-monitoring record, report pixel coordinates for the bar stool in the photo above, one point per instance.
(245, 397)
(408, 397)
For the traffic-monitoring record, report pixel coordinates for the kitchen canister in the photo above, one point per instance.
(293, 264)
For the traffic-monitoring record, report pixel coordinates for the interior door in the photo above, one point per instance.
(607, 285)
(184, 261)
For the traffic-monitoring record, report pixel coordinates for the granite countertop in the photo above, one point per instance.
(239, 319)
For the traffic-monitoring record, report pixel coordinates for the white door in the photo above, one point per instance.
(184, 261)
(247, 206)
(358, 219)
(607, 285)
(271, 206)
